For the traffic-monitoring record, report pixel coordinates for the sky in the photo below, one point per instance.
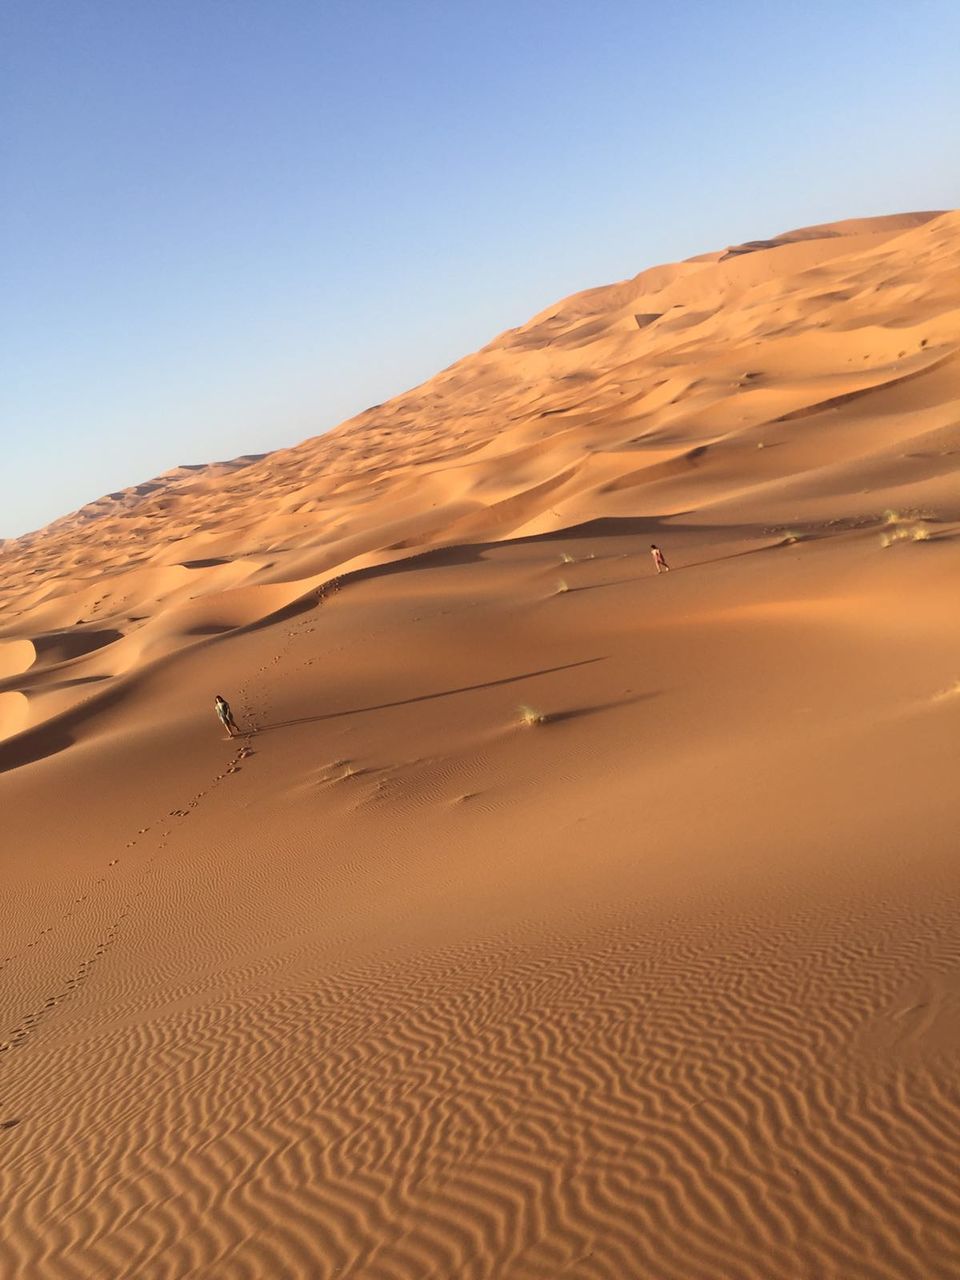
(226, 225)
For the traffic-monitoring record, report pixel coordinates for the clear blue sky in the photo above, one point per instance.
(228, 224)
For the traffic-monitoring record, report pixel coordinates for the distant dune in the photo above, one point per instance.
(551, 917)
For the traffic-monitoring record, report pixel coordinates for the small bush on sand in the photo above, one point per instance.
(529, 717)
(902, 526)
(562, 586)
(905, 533)
(566, 558)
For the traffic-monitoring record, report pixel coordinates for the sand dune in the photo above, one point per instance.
(551, 918)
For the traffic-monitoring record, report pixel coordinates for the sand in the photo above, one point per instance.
(656, 978)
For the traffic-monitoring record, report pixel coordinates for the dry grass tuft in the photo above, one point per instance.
(905, 533)
(903, 526)
(529, 716)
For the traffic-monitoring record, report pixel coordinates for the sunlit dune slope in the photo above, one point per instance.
(551, 917)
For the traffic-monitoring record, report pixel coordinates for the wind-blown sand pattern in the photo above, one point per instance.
(664, 984)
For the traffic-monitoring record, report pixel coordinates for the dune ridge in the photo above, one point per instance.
(550, 917)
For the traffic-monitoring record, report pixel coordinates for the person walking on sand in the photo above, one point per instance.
(222, 707)
(658, 560)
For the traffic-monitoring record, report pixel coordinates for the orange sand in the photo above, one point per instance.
(664, 985)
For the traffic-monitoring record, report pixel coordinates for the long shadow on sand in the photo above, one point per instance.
(697, 564)
(647, 576)
(430, 697)
(595, 708)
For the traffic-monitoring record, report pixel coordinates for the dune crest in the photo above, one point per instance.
(551, 916)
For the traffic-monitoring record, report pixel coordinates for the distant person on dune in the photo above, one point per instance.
(226, 715)
(658, 560)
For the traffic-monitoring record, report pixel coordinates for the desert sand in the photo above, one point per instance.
(551, 917)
